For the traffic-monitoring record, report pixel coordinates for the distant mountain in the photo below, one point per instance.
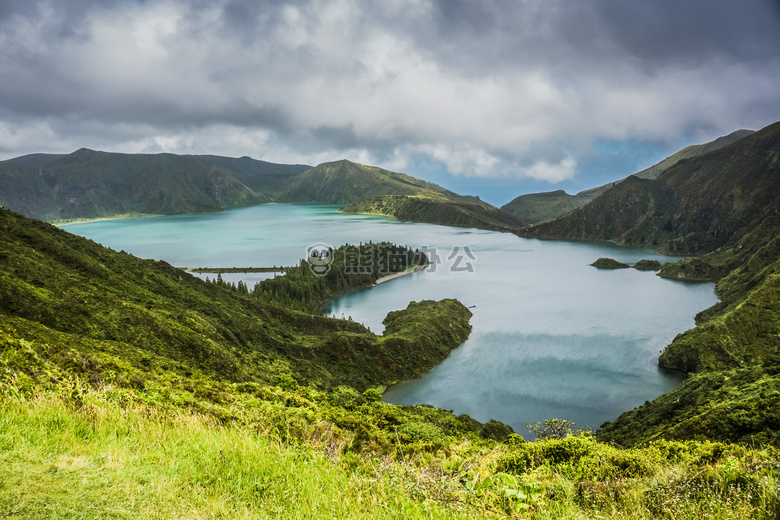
(436, 210)
(536, 208)
(35, 160)
(88, 184)
(690, 152)
(345, 182)
(260, 176)
(695, 206)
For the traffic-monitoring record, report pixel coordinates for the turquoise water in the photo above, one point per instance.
(552, 336)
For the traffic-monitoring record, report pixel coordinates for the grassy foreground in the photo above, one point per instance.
(99, 453)
(101, 461)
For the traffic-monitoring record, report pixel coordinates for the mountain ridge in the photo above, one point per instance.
(696, 206)
(537, 208)
(94, 184)
(346, 182)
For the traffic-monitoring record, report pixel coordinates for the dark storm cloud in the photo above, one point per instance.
(662, 31)
(576, 34)
(495, 87)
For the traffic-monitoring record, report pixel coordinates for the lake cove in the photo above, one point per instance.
(552, 336)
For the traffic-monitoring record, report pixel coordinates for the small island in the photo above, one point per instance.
(648, 265)
(609, 263)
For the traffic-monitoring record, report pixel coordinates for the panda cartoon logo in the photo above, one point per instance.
(320, 258)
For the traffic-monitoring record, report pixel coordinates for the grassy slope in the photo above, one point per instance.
(99, 463)
(90, 301)
(736, 405)
(690, 152)
(436, 210)
(96, 455)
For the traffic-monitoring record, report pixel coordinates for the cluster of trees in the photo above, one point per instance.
(350, 267)
(239, 287)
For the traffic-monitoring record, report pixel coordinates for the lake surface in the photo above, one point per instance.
(552, 336)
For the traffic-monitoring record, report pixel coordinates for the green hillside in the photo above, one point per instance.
(345, 182)
(696, 206)
(130, 389)
(436, 210)
(92, 303)
(536, 208)
(89, 184)
(742, 330)
(690, 152)
(737, 405)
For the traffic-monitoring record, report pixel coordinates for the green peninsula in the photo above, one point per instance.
(436, 210)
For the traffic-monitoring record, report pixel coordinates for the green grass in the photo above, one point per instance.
(101, 461)
(96, 456)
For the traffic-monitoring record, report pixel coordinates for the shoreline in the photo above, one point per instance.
(69, 221)
(233, 270)
(379, 281)
(389, 277)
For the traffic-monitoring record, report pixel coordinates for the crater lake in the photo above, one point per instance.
(552, 336)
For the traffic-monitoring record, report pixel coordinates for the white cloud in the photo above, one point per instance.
(15, 137)
(463, 160)
(545, 171)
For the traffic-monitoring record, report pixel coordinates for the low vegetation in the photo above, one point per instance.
(104, 452)
(131, 389)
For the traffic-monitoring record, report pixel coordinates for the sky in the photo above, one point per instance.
(494, 98)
